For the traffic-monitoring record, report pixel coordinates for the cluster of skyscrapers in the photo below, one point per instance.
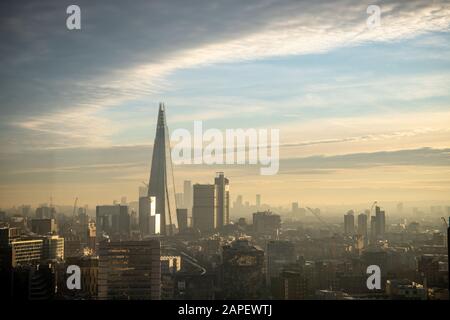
(171, 245)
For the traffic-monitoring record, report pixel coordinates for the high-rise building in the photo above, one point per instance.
(149, 220)
(82, 225)
(26, 251)
(182, 216)
(380, 222)
(45, 212)
(43, 226)
(179, 200)
(161, 184)
(349, 223)
(187, 195)
(373, 229)
(258, 201)
(362, 224)
(223, 200)
(53, 248)
(279, 254)
(266, 223)
(188, 199)
(204, 211)
(129, 270)
(242, 268)
(362, 227)
(113, 221)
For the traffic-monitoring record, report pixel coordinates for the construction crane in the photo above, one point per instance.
(319, 217)
(445, 222)
(75, 207)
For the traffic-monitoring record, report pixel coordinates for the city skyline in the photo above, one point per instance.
(217, 158)
(363, 113)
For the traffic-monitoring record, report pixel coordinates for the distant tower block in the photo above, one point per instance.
(161, 184)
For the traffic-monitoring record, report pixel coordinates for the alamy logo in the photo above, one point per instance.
(73, 22)
(74, 280)
(236, 146)
(374, 280)
(374, 20)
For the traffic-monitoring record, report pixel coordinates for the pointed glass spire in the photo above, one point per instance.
(161, 184)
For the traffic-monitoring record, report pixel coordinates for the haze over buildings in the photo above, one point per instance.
(363, 114)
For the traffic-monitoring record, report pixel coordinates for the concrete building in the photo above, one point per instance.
(349, 223)
(278, 254)
(129, 270)
(266, 223)
(112, 220)
(204, 211)
(223, 200)
(43, 226)
(242, 271)
(182, 216)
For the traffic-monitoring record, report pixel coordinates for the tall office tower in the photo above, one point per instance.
(82, 226)
(373, 229)
(112, 220)
(380, 222)
(129, 270)
(362, 225)
(243, 276)
(53, 248)
(238, 205)
(204, 211)
(179, 200)
(279, 254)
(295, 207)
(349, 223)
(223, 200)
(258, 201)
(182, 216)
(43, 226)
(266, 223)
(187, 195)
(149, 220)
(162, 185)
(45, 212)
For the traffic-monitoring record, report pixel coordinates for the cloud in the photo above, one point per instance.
(415, 157)
(127, 52)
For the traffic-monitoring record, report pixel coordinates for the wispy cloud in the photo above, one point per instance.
(297, 31)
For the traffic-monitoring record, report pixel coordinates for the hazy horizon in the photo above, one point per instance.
(363, 113)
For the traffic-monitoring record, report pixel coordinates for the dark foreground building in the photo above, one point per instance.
(242, 271)
(129, 270)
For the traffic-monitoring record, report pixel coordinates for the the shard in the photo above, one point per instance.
(161, 184)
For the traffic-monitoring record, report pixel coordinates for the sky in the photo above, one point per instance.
(363, 113)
